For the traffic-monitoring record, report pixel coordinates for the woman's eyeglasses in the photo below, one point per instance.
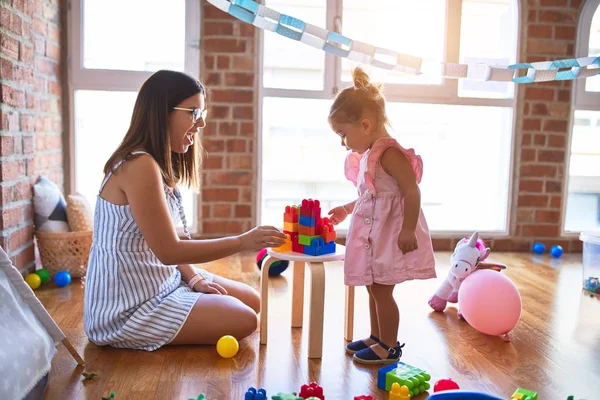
(196, 113)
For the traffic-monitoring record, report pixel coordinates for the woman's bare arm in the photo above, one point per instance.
(142, 183)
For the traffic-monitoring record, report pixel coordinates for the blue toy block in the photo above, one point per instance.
(462, 395)
(318, 247)
(253, 394)
(404, 374)
(307, 221)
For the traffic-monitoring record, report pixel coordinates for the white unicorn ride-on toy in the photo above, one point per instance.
(468, 257)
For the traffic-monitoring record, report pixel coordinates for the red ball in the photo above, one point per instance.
(445, 384)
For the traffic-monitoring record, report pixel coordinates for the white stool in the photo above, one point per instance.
(317, 296)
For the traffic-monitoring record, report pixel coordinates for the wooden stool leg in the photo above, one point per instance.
(317, 303)
(264, 297)
(298, 294)
(73, 352)
(349, 317)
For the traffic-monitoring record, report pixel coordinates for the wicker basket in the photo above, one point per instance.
(65, 251)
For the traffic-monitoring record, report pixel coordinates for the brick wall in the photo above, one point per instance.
(31, 123)
(541, 139)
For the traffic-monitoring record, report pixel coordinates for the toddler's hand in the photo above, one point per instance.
(338, 215)
(261, 237)
(407, 242)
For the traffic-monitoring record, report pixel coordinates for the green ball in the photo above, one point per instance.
(43, 274)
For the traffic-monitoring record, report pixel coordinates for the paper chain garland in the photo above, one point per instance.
(334, 43)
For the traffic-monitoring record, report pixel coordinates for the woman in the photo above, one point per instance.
(141, 290)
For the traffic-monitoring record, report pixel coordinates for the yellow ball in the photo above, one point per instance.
(227, 346)
(33, 280)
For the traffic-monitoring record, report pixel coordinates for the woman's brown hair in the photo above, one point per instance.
(350, 104)
(148, 129)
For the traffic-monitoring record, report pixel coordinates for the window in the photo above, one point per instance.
(462, 128)
(583, 189)
(107, 67)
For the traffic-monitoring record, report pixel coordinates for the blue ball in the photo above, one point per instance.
(556, 251)
(277, 268)
(539, 248)
(62, 278)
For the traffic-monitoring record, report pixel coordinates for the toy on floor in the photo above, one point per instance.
(308, 233)
(286, 396)
(311, 390)
(227, 346)
(445, 384)
(556, 251)
(490, 302)
(62, 278)
(364, 397)
(277, 268)
(462, 395)
(467, 258)
(404, 374)
(524, 394)
(253, 394)
(399, 392)
(37, 278)
(110, 396)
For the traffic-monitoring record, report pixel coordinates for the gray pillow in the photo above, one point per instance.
(49, 207)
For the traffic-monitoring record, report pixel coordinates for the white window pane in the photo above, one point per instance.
(488, 35)
(406, 26)
(465, 182)
(96, 138)
(583, 192)
(287, 63)
(134, 35)
(593, 84)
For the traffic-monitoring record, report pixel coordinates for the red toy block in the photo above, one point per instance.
(318, 226)
(296, 247)
(290, 214)
(306, 230)
(364, 397)
(328, 234)
(310, 208)
(311, 390)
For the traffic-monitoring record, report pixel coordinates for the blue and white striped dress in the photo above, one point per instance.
(132, 300)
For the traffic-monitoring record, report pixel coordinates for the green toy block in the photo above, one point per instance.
(414, 378)
(286, 396)
(307, 240)
(524, 394)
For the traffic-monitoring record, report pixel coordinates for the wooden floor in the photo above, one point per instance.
(555, 348)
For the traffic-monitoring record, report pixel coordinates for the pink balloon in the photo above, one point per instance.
(490, 302)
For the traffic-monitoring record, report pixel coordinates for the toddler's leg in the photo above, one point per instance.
(388, 350)
(353, 347)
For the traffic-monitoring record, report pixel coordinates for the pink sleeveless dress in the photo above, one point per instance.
(372, 252)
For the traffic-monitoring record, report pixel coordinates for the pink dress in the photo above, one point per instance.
(372, 252)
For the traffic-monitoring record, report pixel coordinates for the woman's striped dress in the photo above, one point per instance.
(132, 300)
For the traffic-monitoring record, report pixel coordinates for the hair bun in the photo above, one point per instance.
(360, 78)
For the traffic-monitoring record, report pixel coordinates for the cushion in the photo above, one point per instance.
(79, 213)
(49, 207)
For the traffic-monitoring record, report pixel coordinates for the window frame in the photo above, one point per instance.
(81, 78)
(446, 94)
(580, 99)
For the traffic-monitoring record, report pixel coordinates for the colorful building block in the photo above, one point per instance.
(364, 397)
(291, 214)
(318, 247)
(524, 394)
(404, 374)
(311, 390)
(290, 226)
(286, 396)
(399, 392)
(310, 208)
(287, 246)
(307, 221)
(306, 230)
(328, 234)
(307, 240)
(253, 394)
(303, 223)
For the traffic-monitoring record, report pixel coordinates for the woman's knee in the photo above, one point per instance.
(247, 323)
(253, 300)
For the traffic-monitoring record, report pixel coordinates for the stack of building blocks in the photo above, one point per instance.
(524, 394)
(414, 378)
(306, 231)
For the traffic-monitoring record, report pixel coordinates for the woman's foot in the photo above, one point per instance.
(358, 345)
(379, 353)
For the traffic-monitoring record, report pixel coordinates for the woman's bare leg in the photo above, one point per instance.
(245, 293)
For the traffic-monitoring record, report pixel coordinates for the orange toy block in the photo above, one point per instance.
(306, 230)
(290, 227)
(287, 246)
(328, 233)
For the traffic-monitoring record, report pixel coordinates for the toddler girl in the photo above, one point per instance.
(388, 240)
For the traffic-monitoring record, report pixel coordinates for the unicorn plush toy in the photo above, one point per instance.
(467, 258)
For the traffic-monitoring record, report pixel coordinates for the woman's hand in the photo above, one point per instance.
(205, 286)
(407, 241)
(338, 215)
(261, 237)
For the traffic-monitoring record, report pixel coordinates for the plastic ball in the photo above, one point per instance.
(33, 280)
(445, 384)
(62, 278)
(539, 248)
(43, 274)
(227, 346)
(277, 268)
(556, 251)
(490, 302)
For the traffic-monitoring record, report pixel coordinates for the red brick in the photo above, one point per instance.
(540, 230)
(526, 139)
(224, 45)
(243, 112)
(209, 62)
(531, 186)
(239, 79)
(23, 6)
(219, 112)
(564, 95)
(532, 16)
(528, 155)
(10, 20)
(12, 217)
(11, 170)
(562, 16)
(538, 171)
(565, 33)
(231, 178)
(206, 212)
(222, 195)
(10, 121)
(237, 146)
(246, 30)
(533, 200)
(539, 109)
(536, 93)
(247, 129)
(555, 201)
(222, 227)
(53, 51)
(553, 125)
(245, 63)
(48, 142)
(240, 162)
(532, 124)
(246, 194)
(39, 46)
(213, 162)
(228, 128)
(26, 53)
(211, 12)
(539, 31)
(211, 129)
(20, 238)
(539, 140)
(559, 110)
(546, 46)
(243, 211)
(6, 69)
(46, 67)
(54, 33)
(554, 3)
(10, 145)
(17, 191)
(556, 141)
(223, 62)
(32, 101)
(222, 211)
(24, 258)
(557, 156)
(553, 186)
(11, 96)
(9, 45)
(232, 96)
(40, 26)
(525, 215)
(28, 147)
(213, 79)
(216, 28)
(27, 122)
(214, 145)
(547, 216)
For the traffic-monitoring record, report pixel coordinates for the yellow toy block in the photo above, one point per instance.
(287, 246)
(399, 392)
(290, 227)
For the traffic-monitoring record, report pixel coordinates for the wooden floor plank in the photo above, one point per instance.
(554, 349)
